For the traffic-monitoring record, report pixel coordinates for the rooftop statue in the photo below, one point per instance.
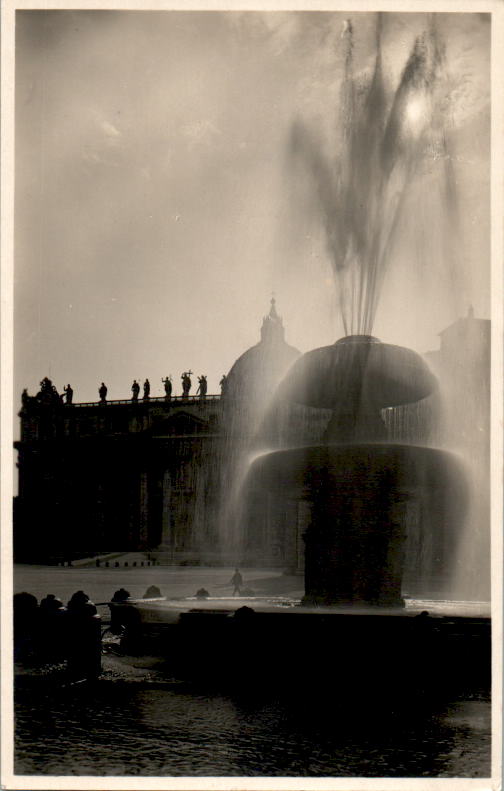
(103, 392)
(135, 389)
(68, 394)
(146, 390)
(48, 395)
(202, 388)
(167, 387)
(186, 383)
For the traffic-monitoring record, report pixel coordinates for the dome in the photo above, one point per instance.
(255, 375)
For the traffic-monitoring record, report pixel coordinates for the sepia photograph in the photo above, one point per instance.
(253, 515)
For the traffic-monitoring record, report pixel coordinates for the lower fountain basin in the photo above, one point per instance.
(302, 471)
(373, 507)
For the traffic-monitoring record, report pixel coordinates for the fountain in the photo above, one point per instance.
(373, 506)
(357, 484)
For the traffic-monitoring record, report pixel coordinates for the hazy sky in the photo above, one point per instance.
(157, 207)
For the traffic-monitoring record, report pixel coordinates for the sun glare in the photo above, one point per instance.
(416, 111)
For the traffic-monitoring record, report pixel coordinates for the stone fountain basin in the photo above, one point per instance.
(302, 472)
(253, 644)
(358, 370)
(168, 611)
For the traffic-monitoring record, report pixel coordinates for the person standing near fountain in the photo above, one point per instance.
(237, 582)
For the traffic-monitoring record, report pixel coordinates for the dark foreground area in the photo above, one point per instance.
(232, 705)
(226, 690)
(151, 725)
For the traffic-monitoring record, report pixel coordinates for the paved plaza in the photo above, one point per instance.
(173, 581)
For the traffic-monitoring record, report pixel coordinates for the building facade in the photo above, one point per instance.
(146, 474)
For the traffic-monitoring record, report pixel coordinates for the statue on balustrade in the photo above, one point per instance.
(103, 392)
(135, 390)
(68, 394)
(167, 387)
(202, 388)
(146, 390)
(186, 383)
(48, 395)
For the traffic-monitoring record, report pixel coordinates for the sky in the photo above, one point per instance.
(158, 207)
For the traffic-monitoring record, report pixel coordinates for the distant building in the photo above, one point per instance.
(462, 365)
(143, 473)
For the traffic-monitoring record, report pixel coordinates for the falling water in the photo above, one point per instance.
(382, 142)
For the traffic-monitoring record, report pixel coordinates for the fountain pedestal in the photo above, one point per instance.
(354, 546)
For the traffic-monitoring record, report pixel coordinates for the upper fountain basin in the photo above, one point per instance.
(358, 370)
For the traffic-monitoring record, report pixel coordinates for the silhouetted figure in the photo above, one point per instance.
(202, 387)
(103, 392)
(237, 582)
(25, 398)
(84, 638)
(121, 595)
(186, 383)
(167, 387)
(135, 389)
(223, 384)
(68, 394)
(202, 593)
(152, 592)
(146, 390)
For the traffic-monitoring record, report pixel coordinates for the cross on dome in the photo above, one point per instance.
(272, 326)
